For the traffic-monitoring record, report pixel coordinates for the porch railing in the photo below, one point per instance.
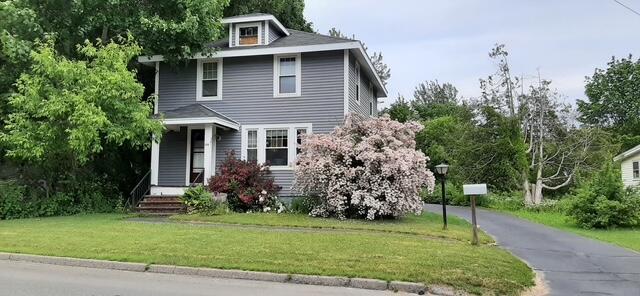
(138, 192)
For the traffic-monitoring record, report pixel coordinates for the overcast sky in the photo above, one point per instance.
(449, 40)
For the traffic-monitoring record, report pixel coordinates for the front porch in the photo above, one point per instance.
(186, 153)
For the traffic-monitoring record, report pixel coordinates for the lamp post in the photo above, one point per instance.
(442, 169)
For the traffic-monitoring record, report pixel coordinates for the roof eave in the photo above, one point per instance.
(626, 154)
(257, 18)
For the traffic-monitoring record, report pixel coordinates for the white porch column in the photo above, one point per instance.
(208, 152)
(155, 160)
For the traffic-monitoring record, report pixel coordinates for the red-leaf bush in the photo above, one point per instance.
(248, 185)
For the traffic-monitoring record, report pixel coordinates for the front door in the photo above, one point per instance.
(196, 172)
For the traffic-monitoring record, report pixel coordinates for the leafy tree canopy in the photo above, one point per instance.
(614, 100)
(435, 92)
(289, 12)
(68, 110)
(174, 28)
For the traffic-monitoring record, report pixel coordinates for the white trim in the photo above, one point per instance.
(188, 169)
(355, 45)
(626, 154)
(276, 75)
(260, 51)
(267, 33)
(201, 120)
(155, 160)
(358, 86)
(199, 96)
(162, 190)
(346, 81)
(248, 25)
(156, 89)
(231, 41)
(214, 147)
(208, 151)
(271, 18)
(261, 131)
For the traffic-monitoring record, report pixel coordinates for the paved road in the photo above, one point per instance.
(25, 278)
(571, 264)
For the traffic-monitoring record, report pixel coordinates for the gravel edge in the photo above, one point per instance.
(359, 283)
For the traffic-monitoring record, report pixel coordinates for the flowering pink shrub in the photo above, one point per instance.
(365, 168)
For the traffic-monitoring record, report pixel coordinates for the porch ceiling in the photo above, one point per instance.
(197, 114)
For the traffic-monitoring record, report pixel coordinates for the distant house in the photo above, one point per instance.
(630, 166)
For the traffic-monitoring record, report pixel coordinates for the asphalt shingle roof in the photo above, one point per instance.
(296, 38)
(194, 111)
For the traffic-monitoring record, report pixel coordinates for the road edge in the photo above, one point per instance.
(358, 283)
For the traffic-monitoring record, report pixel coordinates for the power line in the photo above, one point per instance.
(627, 7)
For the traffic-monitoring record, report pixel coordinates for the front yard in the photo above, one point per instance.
(413, 249)
(627, 238)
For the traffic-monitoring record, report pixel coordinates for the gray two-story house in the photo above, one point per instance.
(263, 86)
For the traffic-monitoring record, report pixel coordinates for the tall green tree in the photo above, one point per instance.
(289, 12)
(66, 111)
(434, 92)
(400, 110)
(614, 100)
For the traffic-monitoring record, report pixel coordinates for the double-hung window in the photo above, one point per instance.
(209, 80)
(252, 145)
(277, 151)
(277, 144)
(636, 170)
(286, 78)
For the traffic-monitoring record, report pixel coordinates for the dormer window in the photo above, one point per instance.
(248, 34)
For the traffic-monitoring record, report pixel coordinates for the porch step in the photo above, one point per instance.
(161, 205)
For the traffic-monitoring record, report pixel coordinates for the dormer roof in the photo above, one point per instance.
(256, 17)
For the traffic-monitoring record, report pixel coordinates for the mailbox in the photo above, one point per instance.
(474, 189)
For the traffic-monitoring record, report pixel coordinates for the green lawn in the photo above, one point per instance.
(384, 255)
(427, 224)
(628, 238)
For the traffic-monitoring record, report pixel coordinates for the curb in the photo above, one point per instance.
(359, 283)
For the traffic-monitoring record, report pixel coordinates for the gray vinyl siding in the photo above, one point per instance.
(366, 93)
(247, 97)
(232, 41)
(173, 158)
(273, 34)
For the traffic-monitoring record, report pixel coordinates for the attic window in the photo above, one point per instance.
(248, 34)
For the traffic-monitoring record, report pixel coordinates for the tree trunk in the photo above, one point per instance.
(526, 187)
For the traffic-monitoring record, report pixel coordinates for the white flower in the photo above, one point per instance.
(266, 209)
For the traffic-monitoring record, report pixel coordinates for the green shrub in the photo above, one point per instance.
(453, 195)
(199, 200)
(604, 202)
(508, 201)
(12, 200)
(303, 204)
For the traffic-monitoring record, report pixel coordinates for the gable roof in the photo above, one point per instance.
(624, 155)
(296, 38)
(295, 42)
(197, 112)
(256, 17)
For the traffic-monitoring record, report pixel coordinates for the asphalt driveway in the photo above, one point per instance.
(571, 264)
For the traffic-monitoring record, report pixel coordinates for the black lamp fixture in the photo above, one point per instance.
(442, 170)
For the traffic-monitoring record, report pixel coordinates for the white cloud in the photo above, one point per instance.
(449, 40)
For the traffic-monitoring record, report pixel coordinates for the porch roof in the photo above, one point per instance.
(197, 114)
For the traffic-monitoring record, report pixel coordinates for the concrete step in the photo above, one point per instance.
(161, 210)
